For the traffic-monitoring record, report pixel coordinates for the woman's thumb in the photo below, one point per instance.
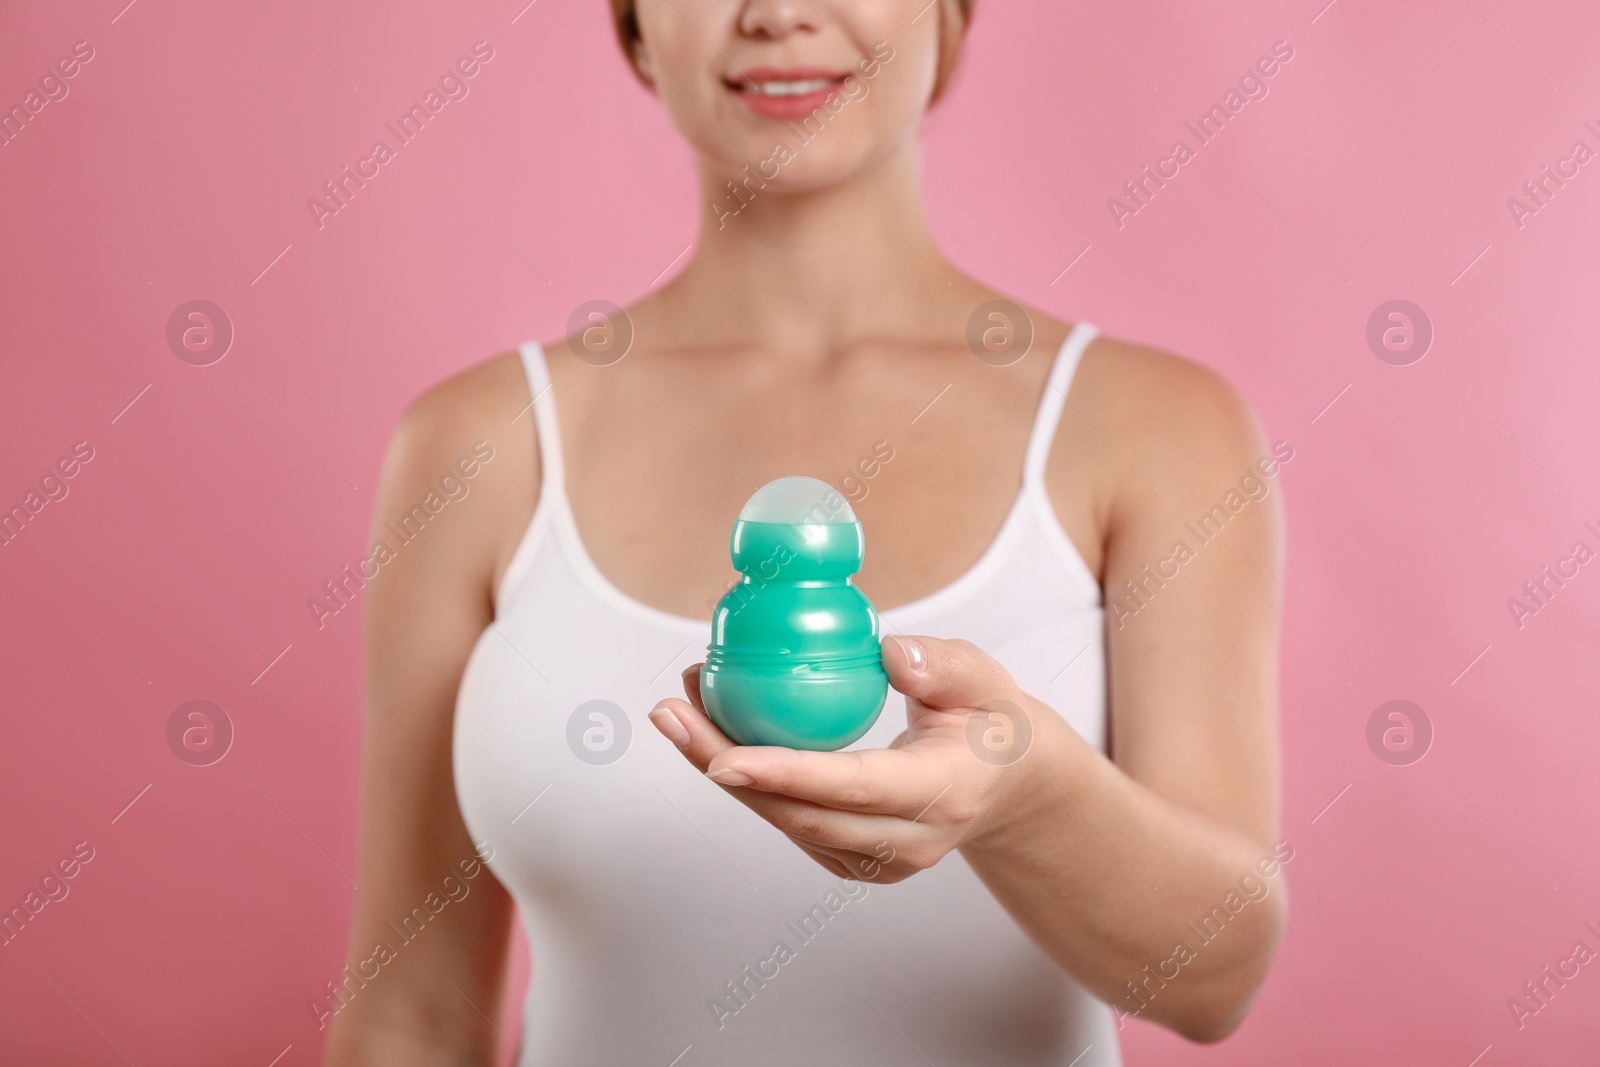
(945, 673)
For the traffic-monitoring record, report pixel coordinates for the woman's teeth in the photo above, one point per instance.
(794, 88)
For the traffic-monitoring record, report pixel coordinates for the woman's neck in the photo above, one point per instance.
(807, 274)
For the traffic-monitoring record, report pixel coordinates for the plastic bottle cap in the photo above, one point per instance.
(798, 500)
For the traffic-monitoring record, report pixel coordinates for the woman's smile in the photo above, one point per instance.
(785, 93)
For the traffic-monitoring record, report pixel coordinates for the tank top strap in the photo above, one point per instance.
(1050, 404)
(544, 420)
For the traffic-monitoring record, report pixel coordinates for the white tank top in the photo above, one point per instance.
(670, 925)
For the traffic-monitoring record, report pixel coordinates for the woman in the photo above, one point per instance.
(1065, 785)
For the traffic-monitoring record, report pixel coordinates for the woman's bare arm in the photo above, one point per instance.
(1104, 862)
(428, 948)
(1181, 820)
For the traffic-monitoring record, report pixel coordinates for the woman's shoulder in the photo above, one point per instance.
(1147, 392)
(1151, 435)
(489, 401)
(475, 398)
(478, 419)
(1161, 401)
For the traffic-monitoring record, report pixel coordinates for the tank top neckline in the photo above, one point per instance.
(553, 509)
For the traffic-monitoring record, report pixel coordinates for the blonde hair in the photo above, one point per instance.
(626, 21)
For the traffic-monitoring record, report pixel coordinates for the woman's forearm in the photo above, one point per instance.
(1161, 910)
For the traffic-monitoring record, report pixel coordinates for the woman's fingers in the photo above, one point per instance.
(825, 858)
(875, 780)
(857, 844)
(853, 866)
(686, 724)
(941, 673)
(691, 685)
(803, 820)
(860, 814)
(691, 730)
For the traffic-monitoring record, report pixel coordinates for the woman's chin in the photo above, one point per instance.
(769, 171)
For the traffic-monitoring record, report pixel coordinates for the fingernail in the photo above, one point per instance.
(671, 726)
(729, 776)
(916, 655)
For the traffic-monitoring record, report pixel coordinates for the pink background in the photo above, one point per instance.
(179, 566)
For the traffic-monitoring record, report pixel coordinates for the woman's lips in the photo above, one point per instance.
(785, 94)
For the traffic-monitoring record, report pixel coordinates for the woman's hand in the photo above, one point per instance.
(954, 775)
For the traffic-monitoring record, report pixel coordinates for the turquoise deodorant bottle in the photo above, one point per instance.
(794, 657)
